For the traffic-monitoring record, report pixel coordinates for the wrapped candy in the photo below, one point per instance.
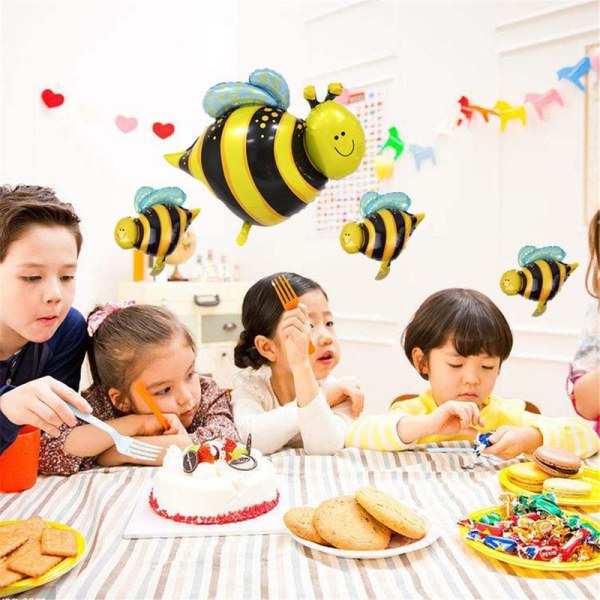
(535, 528)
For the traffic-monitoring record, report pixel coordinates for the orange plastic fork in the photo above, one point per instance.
(288, 298)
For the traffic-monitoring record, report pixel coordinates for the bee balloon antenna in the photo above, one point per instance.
(310, 95)
(333, 91)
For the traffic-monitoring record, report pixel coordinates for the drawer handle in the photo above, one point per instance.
(207, 299)
(229, 326)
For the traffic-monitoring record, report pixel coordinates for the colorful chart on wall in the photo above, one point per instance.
(338, 202)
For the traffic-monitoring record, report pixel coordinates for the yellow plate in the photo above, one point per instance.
(588, 475)
(514, 559)
(60, 569)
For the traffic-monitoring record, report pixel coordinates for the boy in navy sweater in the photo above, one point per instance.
(42, 339)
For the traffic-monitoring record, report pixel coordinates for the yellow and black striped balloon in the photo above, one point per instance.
(254, 160)
(539, 281)
(156, 231)
(381, 236)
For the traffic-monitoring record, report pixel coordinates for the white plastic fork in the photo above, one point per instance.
(125, 445)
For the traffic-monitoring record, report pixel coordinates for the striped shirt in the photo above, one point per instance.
(379, 432)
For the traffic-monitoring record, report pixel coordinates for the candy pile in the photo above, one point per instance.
(236, 455)
(535, 528)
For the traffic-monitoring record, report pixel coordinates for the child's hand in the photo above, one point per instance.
(509, 441)
(348, 390)
(455, 418)
(42, 403)
(295, 332)
(147, 425)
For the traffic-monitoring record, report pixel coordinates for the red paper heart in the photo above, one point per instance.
(52, 100)
(163, 130)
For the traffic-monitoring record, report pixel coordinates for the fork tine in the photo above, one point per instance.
(141, 453)
(281, 292)
(290, 290)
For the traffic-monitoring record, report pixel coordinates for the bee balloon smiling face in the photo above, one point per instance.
(263, 163)
(334, 139)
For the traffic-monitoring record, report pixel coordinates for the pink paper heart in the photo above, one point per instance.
(126, 124)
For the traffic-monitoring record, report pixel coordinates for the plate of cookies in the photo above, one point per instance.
(557, 471)
(34, 552)
(370, 524)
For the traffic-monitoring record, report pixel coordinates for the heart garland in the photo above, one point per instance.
(124, 124)
(163, 130)
(52, 100)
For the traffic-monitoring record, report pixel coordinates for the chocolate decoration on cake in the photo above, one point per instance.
(246, 462)
(249, 443)
(190, 461)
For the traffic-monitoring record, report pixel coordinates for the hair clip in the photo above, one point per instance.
(95, 320)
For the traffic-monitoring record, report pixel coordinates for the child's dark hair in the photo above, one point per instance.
(25, 206)
(261, 311)
(592, 277)
(466, 317)
(126, 335)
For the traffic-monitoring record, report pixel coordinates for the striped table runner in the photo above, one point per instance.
(99, 503)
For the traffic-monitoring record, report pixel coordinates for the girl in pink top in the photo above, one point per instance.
(583, 383)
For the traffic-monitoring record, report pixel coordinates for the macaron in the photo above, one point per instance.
(567, 488)
(557, 461)
(527, 475)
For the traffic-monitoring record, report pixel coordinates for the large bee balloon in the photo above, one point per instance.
(263, 163)
(542, 276)
(161, 223)
(385, 230)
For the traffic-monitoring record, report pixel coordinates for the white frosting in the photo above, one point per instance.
(213, 488)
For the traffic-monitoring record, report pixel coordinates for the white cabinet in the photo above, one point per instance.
(211, 311)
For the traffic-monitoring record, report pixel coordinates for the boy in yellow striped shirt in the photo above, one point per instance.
(457, 340)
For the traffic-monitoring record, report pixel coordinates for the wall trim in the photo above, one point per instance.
(544, 13)
(332, 11)
(529, 356)
(561, 332)
(363, 64)
(569, 35)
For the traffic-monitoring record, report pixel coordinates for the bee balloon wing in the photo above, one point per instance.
(274, 83)
(146, 197)
(372, 202)
(266, 88)
(529, 254)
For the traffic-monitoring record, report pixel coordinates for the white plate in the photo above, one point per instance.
(398, 544)
(145, 523)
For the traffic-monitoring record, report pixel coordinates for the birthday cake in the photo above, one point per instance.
(218, 482)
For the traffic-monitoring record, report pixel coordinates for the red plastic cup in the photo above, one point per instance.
(19, 462)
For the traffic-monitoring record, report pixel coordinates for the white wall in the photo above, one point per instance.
(490, 194)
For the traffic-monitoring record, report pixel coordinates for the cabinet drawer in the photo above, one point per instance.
(220, 328)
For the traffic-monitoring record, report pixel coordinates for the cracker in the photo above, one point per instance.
(59, 542)
(391, 512)
(300, 522)
(346, 525)
(10, 541)
(29, 560)
(8, 577)
(31, 527)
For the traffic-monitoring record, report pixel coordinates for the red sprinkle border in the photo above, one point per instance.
(250, 512)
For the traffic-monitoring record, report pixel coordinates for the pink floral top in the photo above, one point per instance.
(587, 356)
(213, 419)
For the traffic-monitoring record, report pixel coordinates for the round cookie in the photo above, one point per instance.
(567, 488)
(557, 462)
(300, 522)
(391, 513)
(346, 525)
(527, 475)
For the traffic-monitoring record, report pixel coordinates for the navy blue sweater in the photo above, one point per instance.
(60, 357)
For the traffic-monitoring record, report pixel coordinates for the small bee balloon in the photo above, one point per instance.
(263, 163)
(385, 230)
(542, 276)
(161, 223)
